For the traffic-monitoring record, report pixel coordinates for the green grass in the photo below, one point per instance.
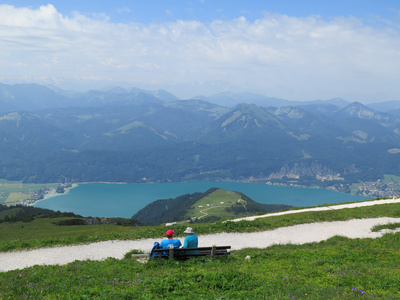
(15, 198)
(42, 233)
(339, 268)
(354, 188)
(12, 211)
(391, 226)
(212, 204)
(4, 181)
(391, 178)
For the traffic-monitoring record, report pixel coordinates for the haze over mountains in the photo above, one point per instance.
(119, 135)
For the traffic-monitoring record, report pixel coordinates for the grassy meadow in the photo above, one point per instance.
(338, 268)
(214, 204)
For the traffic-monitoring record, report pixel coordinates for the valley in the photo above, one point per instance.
(139, 136)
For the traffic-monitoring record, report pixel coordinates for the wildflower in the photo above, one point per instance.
(360, 290)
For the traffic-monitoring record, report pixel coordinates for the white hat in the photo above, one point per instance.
(188, 230)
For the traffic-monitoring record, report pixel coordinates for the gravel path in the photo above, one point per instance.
(298, 234)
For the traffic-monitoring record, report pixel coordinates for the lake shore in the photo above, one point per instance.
(53, 193)
(124, 200)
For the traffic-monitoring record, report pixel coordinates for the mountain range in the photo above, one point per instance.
(119, 135)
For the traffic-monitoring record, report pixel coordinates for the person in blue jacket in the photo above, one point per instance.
(170, 241)
(191, 240)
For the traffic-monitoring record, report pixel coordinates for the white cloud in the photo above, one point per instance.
(278, 55)
(123, 10)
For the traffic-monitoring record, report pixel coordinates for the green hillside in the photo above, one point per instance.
(215, 204)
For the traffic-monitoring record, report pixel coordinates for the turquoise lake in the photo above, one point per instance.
(124, 200)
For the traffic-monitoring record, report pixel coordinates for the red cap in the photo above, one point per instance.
(170, 232)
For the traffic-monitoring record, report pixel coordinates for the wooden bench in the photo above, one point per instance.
(185, 253)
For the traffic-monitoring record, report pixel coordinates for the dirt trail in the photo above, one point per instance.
(298, 234)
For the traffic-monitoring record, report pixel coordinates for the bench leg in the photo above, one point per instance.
(213, 250)
(171, 252)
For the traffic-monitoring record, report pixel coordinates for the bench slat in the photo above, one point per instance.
(183, 252)
(198, 248)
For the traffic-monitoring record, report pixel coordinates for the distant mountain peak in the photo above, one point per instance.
(359, 110)
(117, 90)
(290, 111)
(249, 115)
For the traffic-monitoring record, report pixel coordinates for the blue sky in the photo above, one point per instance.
(297, 50)
(209, 10)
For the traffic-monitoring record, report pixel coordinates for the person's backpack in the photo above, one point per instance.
(155, 246)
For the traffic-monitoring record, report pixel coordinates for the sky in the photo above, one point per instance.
(295, 50)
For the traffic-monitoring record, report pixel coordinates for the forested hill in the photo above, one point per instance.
(211, 205)
(28, 213)
(24, 213)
